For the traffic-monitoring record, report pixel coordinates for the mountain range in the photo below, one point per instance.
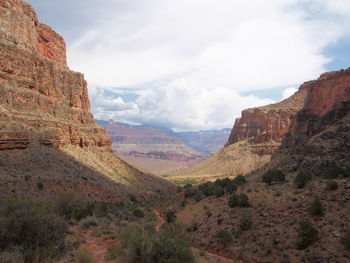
(160, 150)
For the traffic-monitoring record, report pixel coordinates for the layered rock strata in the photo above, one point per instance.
(320, 133)
(49, 141)
(40, 98)
(266, 126)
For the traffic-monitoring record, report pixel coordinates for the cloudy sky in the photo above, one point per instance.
(195, 64)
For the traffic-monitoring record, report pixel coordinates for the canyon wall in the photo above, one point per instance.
(49, 141)
(255, 137)
(309, 130)
(320, 133)
(40, 98)
(266, 126)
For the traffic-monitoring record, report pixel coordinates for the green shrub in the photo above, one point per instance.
(239, 180)
(233, 201)
(243, 200)
(83, 256)
(246, 221)
(316, 207)
(190, 192)
(198, 196)
(207, 188)
(193, 227)
(101, 209)
(33, 227)
(273, 176)
(119, 205)
(70, 206)
(347, 172)
(346, 239)
(138, 213)
(11, 256)
(231, 187)
(331, 185)
(114, 253)
(219, 191)
(333, 172)
(224, 236)
(88, 221)
(40, 186)
(302, 179)
(170, 216)
(307, 234)
(170, 245)
(132, 198)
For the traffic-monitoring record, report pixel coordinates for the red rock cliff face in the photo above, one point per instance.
(267, 125)
(327, 95)
(40, 98)
(320, 133)
(20, 27)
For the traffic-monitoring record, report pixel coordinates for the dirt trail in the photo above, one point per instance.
(96, 247)
(200, 255)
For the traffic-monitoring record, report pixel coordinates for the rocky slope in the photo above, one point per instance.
(267, 230)
(43, 103)
(320, 134)
(255, 137)
(150, 149)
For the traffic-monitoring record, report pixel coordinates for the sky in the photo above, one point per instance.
(196, 64)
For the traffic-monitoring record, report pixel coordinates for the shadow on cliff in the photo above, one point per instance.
(42, 172)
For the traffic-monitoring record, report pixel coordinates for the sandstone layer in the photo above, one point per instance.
(320, 133)
(41, 99)
(45, 104)
(267, 124)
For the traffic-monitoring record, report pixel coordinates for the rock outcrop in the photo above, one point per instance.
(48, 136)
(320, 133)
(40, 98)
(267, 125)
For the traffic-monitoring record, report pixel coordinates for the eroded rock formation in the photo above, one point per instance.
(43, 103)
(320, 133)
(40, 98)
(267, 125)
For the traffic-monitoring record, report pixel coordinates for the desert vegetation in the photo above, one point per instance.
(30, 231)
(276, 216)
(170, 245)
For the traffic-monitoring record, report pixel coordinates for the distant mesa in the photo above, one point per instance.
(161, 150)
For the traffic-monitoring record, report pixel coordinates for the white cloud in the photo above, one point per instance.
(104, 106)
(182, 105)
(205, 51)
(288, 92)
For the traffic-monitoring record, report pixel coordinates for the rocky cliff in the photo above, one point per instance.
(267, 125)
(320, 133)
(43, 103)
(41, 99)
